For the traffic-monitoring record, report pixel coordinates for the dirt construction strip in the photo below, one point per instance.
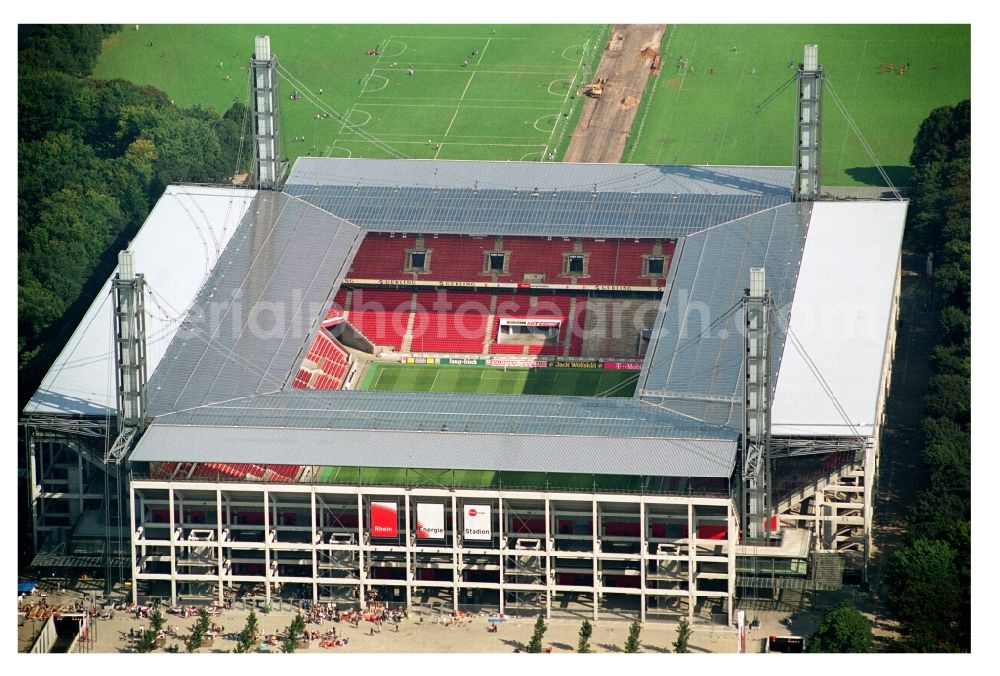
(605, 122)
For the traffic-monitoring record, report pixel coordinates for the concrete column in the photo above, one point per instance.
(500, 536)
(643, 557)
(733, 537)
(548, 560)
(218, 536)
(132, 546)
(81, 482)
(33, 490)
(361, 548)
(173, 547)
(312, 536)
(409, 552)
(267, 547)
(595, 522)
(456, 556)
(692, 559)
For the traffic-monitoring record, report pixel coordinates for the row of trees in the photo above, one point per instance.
(93, 157)
(632, 642)
(929, 578)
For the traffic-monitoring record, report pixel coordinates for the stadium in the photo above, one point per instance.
(306, 390)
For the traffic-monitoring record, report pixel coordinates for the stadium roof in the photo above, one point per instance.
(695, 354)
(176, 249)
(252, 318)
(488, 414)
(707, 458)
(841, 314)
(536, 198)
(247, 324)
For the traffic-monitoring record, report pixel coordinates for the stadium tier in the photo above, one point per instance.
(459, 322)
(553, 260)
(325, 366)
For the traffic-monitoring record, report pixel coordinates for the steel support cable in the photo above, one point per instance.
(861, 139)
(811, 365)
(312, 98)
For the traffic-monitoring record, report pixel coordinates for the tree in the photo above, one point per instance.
(928, 595)
(195, 640)
(156, 621)
(147, 643)
(683, 634)
(248, 636)
(632, 643)
(843, 630)
(293, 633)
(585, 631)
(535, 644)
(204, 621)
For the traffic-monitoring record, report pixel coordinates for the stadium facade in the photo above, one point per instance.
(233, 455)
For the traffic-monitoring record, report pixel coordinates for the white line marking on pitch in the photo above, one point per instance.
(484, 51)
(571, 88)
(457, 108)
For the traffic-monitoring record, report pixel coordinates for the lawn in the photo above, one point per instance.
(709, 114)
(513, 101)
(496, 380)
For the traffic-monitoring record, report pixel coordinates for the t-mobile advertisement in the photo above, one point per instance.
(430, 521)
(384, 519)
(478, 525)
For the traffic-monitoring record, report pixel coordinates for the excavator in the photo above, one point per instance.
(595, 90)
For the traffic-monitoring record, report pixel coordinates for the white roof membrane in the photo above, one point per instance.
(831, 369)
(176, 249)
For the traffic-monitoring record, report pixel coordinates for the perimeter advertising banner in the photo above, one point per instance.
(478, 525)
(384, 519)
(430, 521)
(623, 365)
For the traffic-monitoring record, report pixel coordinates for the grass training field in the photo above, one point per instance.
(708, 114)
(518, 97)
(515, 100)
(496, 380)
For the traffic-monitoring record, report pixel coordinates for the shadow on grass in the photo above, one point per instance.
(870, 176)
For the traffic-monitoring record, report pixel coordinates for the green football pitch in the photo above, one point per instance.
(711, 112)
(498, 380)
(515, 100)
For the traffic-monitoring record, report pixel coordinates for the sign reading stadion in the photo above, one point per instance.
(477, 523)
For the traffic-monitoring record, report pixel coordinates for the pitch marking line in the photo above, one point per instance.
(434, 382)
(545, 117)
(366, 90)
(563, 55)
(483, 53)
(357, 125)
(487, 103)
(385, 50)
(374, 386)
(560, 80)
(453, 117)
(457, 37)
(572, 83)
